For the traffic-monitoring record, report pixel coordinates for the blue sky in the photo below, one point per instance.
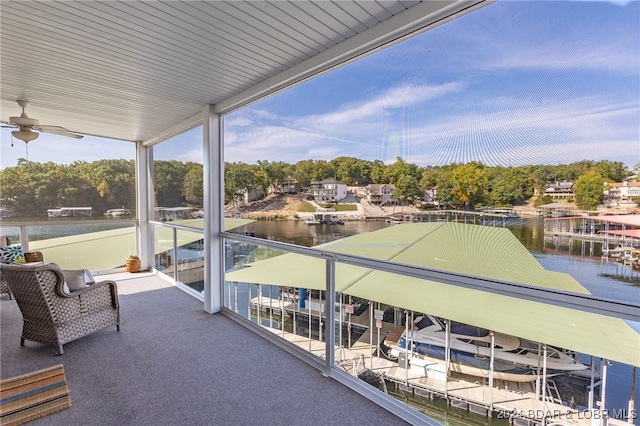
(513, 83)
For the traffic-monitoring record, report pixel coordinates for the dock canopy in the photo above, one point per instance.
(481, 251)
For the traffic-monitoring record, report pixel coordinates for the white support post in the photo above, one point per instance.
(447, 356)
(213, 171)
(592, 385)
(406, 345)
(603, 390)
(631, 410)
(24, 237)
(144, 205)
(538, 375)
(544, 379)
(330, 314)
(491, 362)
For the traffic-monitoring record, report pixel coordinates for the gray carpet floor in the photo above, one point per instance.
(174, 364)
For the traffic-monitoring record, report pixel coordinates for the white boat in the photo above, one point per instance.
(515, 359)
(507, 213)
(117, 212)
(69, 212)
(399, 218)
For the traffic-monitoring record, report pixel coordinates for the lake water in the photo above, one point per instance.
(608, 280)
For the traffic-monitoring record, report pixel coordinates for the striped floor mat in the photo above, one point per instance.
(33, 395)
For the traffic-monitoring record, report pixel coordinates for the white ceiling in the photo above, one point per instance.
(128, 70)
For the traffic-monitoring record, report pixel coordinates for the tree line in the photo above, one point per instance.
(459, 185)
(31, 188)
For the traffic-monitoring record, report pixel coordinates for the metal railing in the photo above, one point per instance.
(327, 362)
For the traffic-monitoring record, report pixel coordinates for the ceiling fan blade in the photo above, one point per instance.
(44, 128)
(58, 130)
(62, 133)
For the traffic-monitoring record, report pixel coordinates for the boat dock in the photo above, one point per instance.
(512, 401)
(608, 230)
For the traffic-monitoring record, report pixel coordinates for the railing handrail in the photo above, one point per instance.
(591, 304)
(70, 221)
(177, 226)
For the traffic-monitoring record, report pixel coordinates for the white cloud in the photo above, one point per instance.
(194, 155)
(396, 97)
(552, 133)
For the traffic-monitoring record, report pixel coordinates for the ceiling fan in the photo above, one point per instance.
(27, 126)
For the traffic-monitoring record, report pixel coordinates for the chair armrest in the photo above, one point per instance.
(109, 286)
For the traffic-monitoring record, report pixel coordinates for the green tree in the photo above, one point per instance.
(193, 186)
(612, 171)
(408, 190)
(113, 180)
(380, 172)
(168, 182)
(431, 176)
(463, 185)
(322, 170)
(589, 190)
(400, 169)
(239, 178)
(545, 199)
(272, 172)
(509, 186)
(304, 172)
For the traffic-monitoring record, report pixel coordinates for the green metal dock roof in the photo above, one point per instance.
(482, 251)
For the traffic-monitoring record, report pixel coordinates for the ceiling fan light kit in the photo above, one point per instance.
(25, 134)
(27, 126)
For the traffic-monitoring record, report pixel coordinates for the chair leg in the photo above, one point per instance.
(118, 327)
(22, 341)
(60, 351)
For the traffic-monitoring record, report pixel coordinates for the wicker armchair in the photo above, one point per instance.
(34, 257)
(29, 257)
(53, 315)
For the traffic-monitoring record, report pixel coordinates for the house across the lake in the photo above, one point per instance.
(328, 190)
(380, 193)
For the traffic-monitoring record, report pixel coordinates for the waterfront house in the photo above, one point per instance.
(287, 186)
(253, 194)
(380, 194)
(149, 72)
(622, 194)
(430, 195)
(559, 189)
(328, 191)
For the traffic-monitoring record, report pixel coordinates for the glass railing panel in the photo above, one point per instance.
(507, 348)
(97, 245)
(190, 259)
(422, 342)
(292, 305)
(163, 249)
(11, 232)
(359, 329)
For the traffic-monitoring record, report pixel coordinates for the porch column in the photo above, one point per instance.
(213, 170)
(144, 205)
